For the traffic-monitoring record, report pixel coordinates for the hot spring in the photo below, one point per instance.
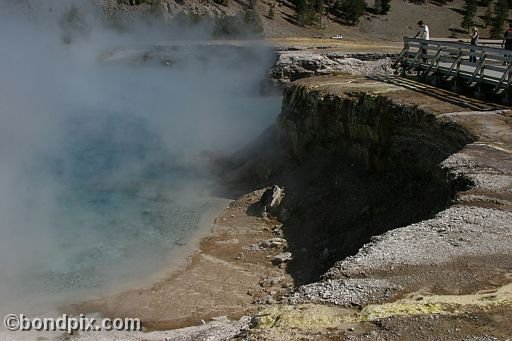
(101, 179)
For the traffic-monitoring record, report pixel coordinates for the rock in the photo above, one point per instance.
(282, 258)
(346, 292)
(272, 243)
(270, 300)
(276, 231)
(293, 65)
(270, 281)
(271, 199)
(232, 241)
(255, 321)
(252, 247)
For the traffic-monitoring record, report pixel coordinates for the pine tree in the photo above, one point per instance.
(349, 10)
(382, 6)
(308, 11)
(488, 16)
(469, 14)
(500, 16)
(301, 10)
(385, 6)
(271, 13)
(252, 20)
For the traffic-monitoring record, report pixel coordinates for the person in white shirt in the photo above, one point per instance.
(474, 35)
(423, 33)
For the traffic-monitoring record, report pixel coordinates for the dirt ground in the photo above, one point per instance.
(324, 45)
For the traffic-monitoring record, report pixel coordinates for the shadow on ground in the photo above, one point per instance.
(464, 100)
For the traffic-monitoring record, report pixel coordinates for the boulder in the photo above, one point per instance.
(282, 258)
(271, 200)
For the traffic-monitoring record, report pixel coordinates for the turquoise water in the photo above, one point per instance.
(101, 176)
(125, 202)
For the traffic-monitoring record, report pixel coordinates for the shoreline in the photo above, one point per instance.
(178, 259)
(221, 277)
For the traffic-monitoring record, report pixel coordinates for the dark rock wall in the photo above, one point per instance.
(373, 129)
(359, 164)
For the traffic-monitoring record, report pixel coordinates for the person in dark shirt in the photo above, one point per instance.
(507, 40)
(474, 35)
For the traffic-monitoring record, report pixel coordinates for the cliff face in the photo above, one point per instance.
(394, 190)
(372, 128)
(361, 161)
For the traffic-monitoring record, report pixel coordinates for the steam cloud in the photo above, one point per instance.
(64, 80)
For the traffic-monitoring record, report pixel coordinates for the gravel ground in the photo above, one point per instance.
(347, 292)
(457, 232)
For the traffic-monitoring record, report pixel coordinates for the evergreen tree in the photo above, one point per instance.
(271, 13)
(308, 11)
(253, 21)
(500, 16)
(246, 24)
(470, 8)
(301, 9)
(488, 16)
(385, 6)
(349, 10)
(317, 6)
(382, 6)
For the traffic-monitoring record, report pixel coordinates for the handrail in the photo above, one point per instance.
(455, 45)
(474, 65)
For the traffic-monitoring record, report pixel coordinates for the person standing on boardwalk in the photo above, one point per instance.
(474, 35)
(423, 33)
(507, 40)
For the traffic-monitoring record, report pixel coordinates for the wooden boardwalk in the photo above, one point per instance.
(450, 61)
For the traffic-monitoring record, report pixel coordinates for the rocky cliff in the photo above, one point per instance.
(373, 128)
(395, 190)
(293, 65)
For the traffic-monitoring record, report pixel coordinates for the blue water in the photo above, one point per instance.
(125, 202)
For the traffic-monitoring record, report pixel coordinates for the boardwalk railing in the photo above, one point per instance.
(458, 62)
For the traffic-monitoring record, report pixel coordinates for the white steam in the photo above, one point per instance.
(56, 84)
